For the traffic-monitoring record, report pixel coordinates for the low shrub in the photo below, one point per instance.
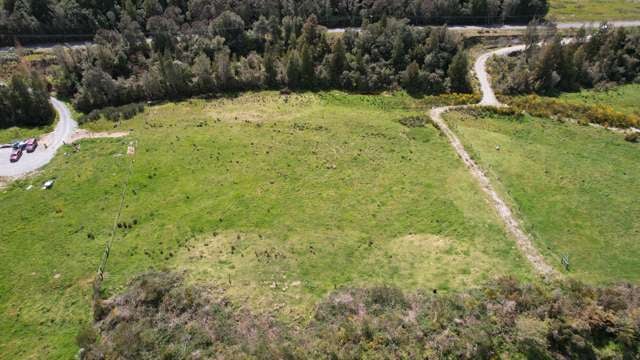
(483, 111)
(124, 112)
(159, 316)
(413, 121)
(632, 137)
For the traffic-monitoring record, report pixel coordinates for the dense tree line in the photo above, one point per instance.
(123, 67)
(24, 101)
(87, 16)
(607, 57)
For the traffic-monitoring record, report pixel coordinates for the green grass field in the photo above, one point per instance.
(594, 10)
(622, 98)
(16, 133)
(574, 187)
(278, 200)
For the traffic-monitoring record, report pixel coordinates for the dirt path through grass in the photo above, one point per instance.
(523, 240)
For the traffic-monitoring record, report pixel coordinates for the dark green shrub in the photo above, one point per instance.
(413, 121)
(86, 336)
(111, 113)
(632, 137)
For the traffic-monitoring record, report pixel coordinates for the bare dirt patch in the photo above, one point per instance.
(4, 181)
(85, 134)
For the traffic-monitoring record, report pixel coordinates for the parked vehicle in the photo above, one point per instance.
(16, 154)
(48, 185)
(31, 145)
(18, 145)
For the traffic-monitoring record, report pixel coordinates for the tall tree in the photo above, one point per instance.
(338, 62)
(307, 67)
(458, 73)
(293, 69)
(412, 79)
(204, 81)
(270, 68)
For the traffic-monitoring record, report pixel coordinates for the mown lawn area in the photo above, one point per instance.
(621, 98)
(574, 186)
(278, 199)
(594, 10)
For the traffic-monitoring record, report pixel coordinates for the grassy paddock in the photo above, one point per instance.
(573, 185)
(622, 98)
(19, 133)
(278, 200)
(594, 10)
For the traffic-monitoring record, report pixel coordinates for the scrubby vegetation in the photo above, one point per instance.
(414, 121)
(158, 316)
(124, 112)
(46, 17)
(608, 56)
(24, 101)
(622, 98)
(584, 113)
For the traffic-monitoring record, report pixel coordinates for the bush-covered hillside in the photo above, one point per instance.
(50, 18)
(159, 316)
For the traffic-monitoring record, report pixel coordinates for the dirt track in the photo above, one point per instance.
(523, 240)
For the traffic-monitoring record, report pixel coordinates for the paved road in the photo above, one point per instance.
(568, 25)
(30, 162)
(524, 242)
(48, 46)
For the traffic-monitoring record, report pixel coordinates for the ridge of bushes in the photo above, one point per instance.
(582, 113)
(159, 316)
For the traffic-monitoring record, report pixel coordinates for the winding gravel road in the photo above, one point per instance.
(47, 148)
(523, 240)
(480, 68)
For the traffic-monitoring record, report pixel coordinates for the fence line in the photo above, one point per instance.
(105, 254)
